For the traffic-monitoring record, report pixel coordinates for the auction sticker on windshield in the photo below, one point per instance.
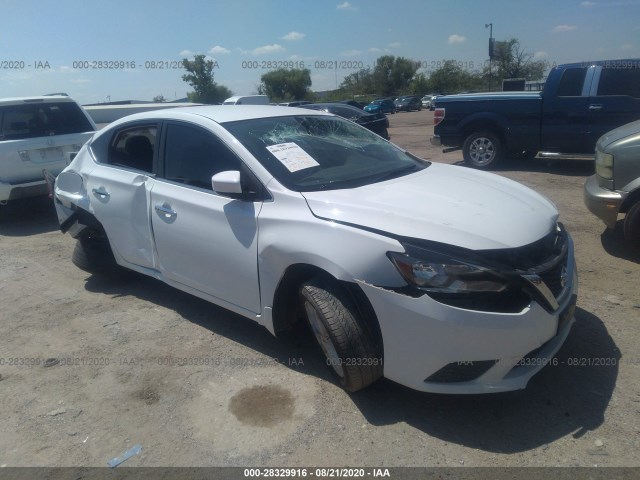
(292, 156)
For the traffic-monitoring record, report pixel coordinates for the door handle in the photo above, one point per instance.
(101, 192)
(166, 211)
(595, 108)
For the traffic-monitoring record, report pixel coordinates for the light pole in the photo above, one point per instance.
(490, 27)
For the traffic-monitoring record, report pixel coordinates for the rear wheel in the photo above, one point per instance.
(347, 344)
(94, 255)
(632, 225)
(482, 150)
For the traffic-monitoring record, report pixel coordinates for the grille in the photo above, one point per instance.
(553, 278)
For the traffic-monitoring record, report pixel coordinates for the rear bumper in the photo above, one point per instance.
(10, 191)
(603, 203)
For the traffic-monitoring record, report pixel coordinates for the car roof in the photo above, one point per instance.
(221, 113)
(36, 99)
(618, 63)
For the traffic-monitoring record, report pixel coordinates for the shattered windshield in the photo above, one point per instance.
(310, 153)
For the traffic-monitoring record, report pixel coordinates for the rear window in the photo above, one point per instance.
(619, 81)
(31, 120)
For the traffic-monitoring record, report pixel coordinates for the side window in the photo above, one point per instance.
(619, 81)
(133, 148)
(571, 82)
(192, 156)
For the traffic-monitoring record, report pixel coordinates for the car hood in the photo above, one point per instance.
(444, 203)
(619, 133)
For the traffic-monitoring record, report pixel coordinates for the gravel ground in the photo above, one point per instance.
(138, 362)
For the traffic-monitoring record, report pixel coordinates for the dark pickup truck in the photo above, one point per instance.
(579, 103)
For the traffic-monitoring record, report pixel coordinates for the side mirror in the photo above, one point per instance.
(227, 182)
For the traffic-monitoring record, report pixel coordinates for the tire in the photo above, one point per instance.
(482, 150)
(631, 226)
(94, 256)
(345, 341)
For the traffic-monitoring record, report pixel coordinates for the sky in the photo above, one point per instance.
(109, 50)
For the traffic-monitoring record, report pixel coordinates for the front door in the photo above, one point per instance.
(204, 240)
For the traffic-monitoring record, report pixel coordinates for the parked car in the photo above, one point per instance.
(295, 103)
(580, 102)
(353, 103)
(407, 103)
(438, 277)
(615, 187)
(38, 133)
(376, 122)
(426, 101)
(381, 105)
(433, 101)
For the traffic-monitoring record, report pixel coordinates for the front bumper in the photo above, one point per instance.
(603, 203)
(423, 338)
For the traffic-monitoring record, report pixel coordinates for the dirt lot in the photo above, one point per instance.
(138, 362)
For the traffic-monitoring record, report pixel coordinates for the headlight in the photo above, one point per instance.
(604, 165)
(441, 273)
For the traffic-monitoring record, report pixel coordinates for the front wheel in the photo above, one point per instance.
(631, 225)
(482, 150)
(345, 341)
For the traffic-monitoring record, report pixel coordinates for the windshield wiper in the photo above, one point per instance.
(394, 173)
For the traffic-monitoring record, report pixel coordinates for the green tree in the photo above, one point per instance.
(392, 75)
(452, 78)
(420, 84)
(358, 83)
(286, 84)
(159, 99)
(511, 60)
(200, 77)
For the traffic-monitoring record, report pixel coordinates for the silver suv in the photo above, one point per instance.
(615, 188)
(38, 133)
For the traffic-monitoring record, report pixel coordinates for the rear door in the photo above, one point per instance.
(119, 187)
(204, 240)
(615, 96)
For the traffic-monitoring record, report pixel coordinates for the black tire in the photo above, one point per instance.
(345, 341)
(94, 256)
(482, 150)
(631, 226)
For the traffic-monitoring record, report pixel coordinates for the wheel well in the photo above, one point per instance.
(485, 126)
(631, 199)
(88, 226)
(287, 312)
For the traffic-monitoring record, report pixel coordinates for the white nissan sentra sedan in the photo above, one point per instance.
(438, 277)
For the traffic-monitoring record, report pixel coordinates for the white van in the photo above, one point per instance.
(247, 100)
